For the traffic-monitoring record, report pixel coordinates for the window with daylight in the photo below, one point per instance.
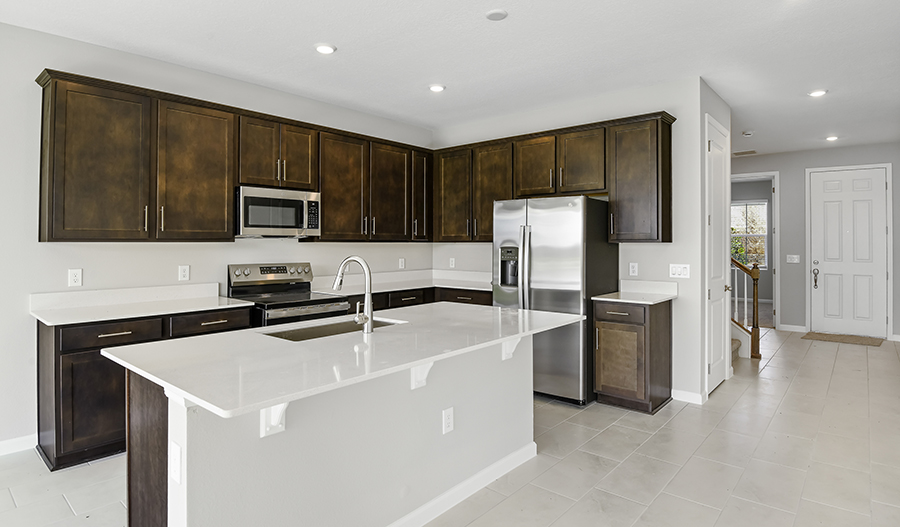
(749, 232)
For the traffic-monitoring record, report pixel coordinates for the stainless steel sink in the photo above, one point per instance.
(325, 330)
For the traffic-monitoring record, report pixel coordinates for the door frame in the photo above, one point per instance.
(775, 260)
(890, 239)
(710, 121)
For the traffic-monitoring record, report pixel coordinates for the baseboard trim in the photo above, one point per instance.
(688, 397)
(894, 338)
(798, 329)
(457, 494)
(18, 444)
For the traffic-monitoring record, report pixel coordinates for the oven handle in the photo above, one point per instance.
(306, 310)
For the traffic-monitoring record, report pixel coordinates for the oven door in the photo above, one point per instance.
(271, 317)
(271, 212)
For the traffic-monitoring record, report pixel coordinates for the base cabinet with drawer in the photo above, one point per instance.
(633, 354)
(463, 296)
(81, 394)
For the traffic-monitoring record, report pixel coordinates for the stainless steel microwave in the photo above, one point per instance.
(277, 213)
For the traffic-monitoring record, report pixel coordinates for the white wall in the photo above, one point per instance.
(31, 267)
(792, 239)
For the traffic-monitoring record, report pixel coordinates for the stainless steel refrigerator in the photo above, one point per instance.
(552, 254)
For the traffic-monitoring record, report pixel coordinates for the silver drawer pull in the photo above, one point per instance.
(408, 298)
(464, 298)
(119, 334)
(617, 313)
(214, 322)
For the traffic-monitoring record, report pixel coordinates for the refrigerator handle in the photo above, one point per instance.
(526, 271)
(521, 281)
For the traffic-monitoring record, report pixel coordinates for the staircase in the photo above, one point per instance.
(735, 346)
(740, 269)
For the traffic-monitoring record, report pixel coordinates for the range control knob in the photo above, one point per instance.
(237, 272)
(306, 269)
(246, 271)
(292, 270)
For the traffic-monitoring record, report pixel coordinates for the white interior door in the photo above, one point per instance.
(848, 251)
(718, 196)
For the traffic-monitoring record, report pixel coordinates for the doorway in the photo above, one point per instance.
(849, 246)
(716, 277)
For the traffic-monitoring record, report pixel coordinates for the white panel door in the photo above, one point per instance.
(848, 255)
(718, 196)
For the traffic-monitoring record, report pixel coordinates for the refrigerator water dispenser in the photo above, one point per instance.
(509, 266)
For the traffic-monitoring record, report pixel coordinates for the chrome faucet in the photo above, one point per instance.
(367, 317)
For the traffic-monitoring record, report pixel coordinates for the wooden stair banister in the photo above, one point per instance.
(753, 273)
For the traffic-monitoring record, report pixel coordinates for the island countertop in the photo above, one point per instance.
(238, 372)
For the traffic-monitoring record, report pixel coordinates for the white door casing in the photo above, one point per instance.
(848, 257)
(718, 254)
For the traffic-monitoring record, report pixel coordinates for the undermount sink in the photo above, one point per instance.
(326, 330)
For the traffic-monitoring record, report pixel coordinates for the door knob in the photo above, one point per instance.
(815, 278)
(727, 287)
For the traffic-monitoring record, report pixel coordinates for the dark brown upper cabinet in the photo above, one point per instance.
(536, 166)
(344, 183)
(492, 180)
(95, 164)
(639, 168)
(195, 173)
(421, 196)
(581, 161)
(278, 155)
(389, 192)
(453, 196)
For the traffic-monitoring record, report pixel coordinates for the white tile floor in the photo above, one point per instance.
(809, 435)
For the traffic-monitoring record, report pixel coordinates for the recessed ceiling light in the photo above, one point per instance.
(325, 49)
(495, 15)
(831, 138)
(818, 93)
(436, 88)
(748, 133)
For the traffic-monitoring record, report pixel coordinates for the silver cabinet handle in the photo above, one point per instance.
(407, 298)
(617, 313)
(119, 334)
(214, 322)
(464, 298)
(596, 337)
(146, 213)
(415, 227)
(476, 227)
(365, 225)
(467, 227)
(162, 218)
(373, 225)
(284, 169)
(612, 220)
(278, 169)
(560, 177)
(551, 178)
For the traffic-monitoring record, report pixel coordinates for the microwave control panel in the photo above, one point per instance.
(312, 214)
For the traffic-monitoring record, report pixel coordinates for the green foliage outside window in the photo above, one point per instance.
(749, 228)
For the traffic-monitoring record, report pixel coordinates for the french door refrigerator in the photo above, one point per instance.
(552, 254)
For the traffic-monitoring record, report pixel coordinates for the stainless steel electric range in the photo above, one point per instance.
(282, 293)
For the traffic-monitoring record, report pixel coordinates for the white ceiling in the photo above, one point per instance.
(761, 56)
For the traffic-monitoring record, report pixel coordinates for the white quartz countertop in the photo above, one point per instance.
(238, 372)
(635, 298)
(59, 309)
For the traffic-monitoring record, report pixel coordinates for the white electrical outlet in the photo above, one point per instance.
(402, 263)
(793, 258)
(447, 419)
(184, 272)
(679, 271)
(75, 278)
(632, 269)
(452, 263)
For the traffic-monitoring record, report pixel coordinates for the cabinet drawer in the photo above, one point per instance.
(465, 296)
(209, 322)
(112, 334)
(406, 298)
(622, 313)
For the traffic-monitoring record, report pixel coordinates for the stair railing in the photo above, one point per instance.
(753, 274)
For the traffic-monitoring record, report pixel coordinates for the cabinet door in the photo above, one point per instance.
(259, 152)
(619, 360)
(195, 173)
(343, 182)
(91, 401)
(389, 195)
(299, 163)
(421, 196)
(492, 181)
(638, 195)
(582, 161)
(100, 183)
(536, 166)
(453, 196)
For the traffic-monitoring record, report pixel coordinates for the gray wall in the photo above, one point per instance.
(757, 191)
(792, 169)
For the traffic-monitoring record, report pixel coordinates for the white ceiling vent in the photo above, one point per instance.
(744, 153)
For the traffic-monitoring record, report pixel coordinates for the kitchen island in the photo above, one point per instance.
(349, 429)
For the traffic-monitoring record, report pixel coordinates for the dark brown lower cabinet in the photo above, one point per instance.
(463, 296)
(148, 453)
(633, 354)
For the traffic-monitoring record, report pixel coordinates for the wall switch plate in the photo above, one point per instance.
(452, 263)
(793, 258)
(632, 269)
(447, 419)
(679, 271)
(75, 278)
(184, 272)
(402, 263)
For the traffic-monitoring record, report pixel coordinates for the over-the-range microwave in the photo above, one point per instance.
(277, 213)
